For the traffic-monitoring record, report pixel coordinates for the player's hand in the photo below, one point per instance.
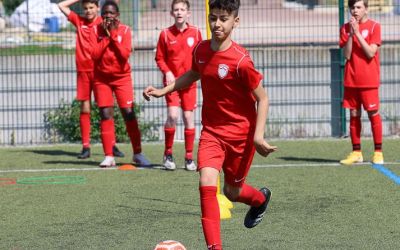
(354, 26)
(106, 22)
(150, 91)
(169, 77)
(263, 148)
(113, 24)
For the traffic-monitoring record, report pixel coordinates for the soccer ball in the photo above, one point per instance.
(170, 245)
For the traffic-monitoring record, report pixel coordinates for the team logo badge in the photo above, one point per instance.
(222, 70)
(190, 41)
(364, 33)
(119, 39)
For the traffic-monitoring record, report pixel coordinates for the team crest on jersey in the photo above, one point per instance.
(364, 33)
(119, 39)
(190, 41)
(222, 70)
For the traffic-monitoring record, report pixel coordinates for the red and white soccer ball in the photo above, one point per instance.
(170, 245)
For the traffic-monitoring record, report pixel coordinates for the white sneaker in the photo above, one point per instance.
(141, 160)
(108, 162)
(190, 165)
(169, 163)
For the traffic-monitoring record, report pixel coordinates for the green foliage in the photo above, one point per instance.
(11, 5)
(62, 124)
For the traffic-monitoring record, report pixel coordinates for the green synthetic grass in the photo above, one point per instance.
(314, 205)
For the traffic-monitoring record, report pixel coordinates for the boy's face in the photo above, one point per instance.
(221, 23)
(180, 13)
(359, 11)
(90, 11)
(109, 12)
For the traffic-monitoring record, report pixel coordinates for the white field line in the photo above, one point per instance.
(292, 165)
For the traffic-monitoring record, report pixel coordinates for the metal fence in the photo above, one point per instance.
(293, 43)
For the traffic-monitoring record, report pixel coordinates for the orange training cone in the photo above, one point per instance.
(127, 167)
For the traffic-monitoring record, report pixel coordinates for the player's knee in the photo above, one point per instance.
(355, 113)
(128, 114)
(373, 113)
(171, 120)
(106, 113)
(231, 193)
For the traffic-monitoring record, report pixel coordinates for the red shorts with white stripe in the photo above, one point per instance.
(121, 87)
(234, 157)
(84, 85)
(185, 98)
(354, 98)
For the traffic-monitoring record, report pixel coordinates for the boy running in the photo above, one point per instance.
(112, 75)
(174, 57)
(233, 128)
(361, 38)
(84, 64)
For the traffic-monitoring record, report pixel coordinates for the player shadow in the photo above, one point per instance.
(319, 160)
(53, 152)
(78, 162)
(174, 202)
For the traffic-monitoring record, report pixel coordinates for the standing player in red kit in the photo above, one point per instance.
(174, 57)
(84, 64)
(235, 107)
(361, 38)
(113, 75)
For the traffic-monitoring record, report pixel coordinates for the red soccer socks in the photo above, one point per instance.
(169, 140)
(251, 196)
(84, 123)
(210, 217)
(376, 126)
(132, 127)
(189, 141)
(355, 132)
(107, 136)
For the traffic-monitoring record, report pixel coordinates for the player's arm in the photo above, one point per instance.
(348, 48)
(262, 147)
(183, 81)
(161, 58)
(99, 46)
(123, 48)
(346, 41)
(64, 6)
(368, 49)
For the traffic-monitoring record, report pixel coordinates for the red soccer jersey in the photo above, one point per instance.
(174, 49)
(227, 81)
(361, 72)
(111, 54)
(84, 30)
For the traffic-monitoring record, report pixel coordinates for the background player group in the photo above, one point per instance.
(234, 114)
(103, 47)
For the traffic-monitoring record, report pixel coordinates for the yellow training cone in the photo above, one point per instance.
(224, 213)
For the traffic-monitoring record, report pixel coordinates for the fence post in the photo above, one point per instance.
(136, 13)
(337, 112)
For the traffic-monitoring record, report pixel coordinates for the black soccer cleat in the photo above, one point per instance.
(117, 153)
(256, 214)
(85, 153)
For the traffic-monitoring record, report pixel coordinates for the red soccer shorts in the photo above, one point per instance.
(185, 98)
(367, 97)
(234, 157)
(121, 87)
(84, 85)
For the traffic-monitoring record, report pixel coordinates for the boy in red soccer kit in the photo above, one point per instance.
(174, 57)
(84, 64)
(233, 128)
(113, 75)
(361, 38)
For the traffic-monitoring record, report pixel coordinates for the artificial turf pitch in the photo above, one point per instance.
(316, 203)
